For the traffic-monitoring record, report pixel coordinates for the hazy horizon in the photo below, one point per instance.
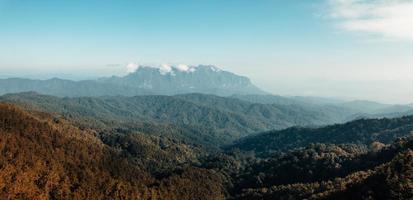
(354, 49)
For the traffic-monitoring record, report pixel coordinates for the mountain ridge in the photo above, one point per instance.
(221, 119)
(145, 80)
(362, 132)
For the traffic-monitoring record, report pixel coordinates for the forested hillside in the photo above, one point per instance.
(355, 109)
(369, 159)
(196, 118)
(331, 172)
(359, 132)
(47, 158)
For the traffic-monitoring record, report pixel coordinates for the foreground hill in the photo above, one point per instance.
(164, 80)
(332, 172)
(43, 157)
(203, 119)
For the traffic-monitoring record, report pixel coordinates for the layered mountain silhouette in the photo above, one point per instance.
(166, 80)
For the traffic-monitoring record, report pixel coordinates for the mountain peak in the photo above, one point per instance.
(179, 79)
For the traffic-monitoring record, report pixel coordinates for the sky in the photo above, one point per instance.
(357, 49)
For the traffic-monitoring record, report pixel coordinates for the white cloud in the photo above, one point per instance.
(388, 19)
(165, 69)
(132, 67)
(182, 67)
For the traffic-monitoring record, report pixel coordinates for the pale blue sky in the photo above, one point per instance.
(342, 48)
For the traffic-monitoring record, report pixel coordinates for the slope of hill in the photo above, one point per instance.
(267, 99)
(364, 106)
(350, 110)
(390, 112)
(392, 180)
(61, 87)
(44, 157)
(362, 132)
(168, 80)
(332, 172)
(197, 118)
(394, 109)
(288, 100)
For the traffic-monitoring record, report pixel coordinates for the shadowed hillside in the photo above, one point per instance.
(360, 132)
(333, 174)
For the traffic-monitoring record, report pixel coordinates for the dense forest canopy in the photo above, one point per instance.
(197, 118)
(105, 157)
(70, 163)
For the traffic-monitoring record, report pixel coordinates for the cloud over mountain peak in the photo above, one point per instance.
(166, 69)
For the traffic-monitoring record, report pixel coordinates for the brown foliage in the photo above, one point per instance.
(42, 157)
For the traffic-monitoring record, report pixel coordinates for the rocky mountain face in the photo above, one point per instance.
(178, 80)
(145, 80)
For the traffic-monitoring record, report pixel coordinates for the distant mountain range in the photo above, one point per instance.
(352, 109)
(145, 80)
